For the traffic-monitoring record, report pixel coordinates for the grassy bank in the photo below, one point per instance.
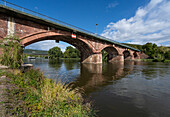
(154, 60)
(35, 95)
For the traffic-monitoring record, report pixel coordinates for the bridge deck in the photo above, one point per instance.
(51, 22)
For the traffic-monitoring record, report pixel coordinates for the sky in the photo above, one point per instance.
(125, 21)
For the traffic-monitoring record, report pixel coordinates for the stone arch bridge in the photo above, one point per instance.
(31, 29)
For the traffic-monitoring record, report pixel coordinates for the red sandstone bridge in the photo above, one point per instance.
(31, 28)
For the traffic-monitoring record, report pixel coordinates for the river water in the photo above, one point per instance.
(129, 89)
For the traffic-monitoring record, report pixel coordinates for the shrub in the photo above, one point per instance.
(12, 55)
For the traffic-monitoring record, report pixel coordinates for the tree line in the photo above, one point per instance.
(154, 51)
(70, 52)
(150, 49)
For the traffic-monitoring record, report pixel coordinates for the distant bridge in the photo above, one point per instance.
(30, 29)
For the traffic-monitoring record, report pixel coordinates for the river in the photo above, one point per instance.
(129, 89)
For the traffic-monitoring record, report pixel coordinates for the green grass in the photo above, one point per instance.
(155, 60)
(167, 61)
(147, 60)
(39, 96)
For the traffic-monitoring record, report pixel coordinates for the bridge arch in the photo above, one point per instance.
(136, 55)
(113, 53)
(126, 54)
(85, 49)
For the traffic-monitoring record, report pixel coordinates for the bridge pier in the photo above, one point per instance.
(119, 57)
(95, 58)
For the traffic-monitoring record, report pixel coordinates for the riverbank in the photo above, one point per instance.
(32, 94)
(153, 60)
(7, 100)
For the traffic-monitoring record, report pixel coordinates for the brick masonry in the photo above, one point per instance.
(91, 49)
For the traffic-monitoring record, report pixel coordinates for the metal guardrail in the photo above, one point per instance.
(5, 3)
(75, 28)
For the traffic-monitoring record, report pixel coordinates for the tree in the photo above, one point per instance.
(71, 53)
(156, 52)
(150, 49)
(167, 55)
(55, 52)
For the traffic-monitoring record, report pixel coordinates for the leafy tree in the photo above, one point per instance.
(167, 55)
(156, 52)
(71, 53)
(55, 52)
(139, 47)
(151, 50)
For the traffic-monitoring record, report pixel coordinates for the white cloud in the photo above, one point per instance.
(150, 24)
(46, 45)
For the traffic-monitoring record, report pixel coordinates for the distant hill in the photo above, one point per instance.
(35, 52)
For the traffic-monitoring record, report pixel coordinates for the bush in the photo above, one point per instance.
(12, 52)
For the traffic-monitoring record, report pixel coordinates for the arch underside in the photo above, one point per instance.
(127, 55)
(84, 49)
(112, 54)
(88, 52)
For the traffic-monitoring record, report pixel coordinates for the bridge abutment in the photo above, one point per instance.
(119, 57)
(95, 58)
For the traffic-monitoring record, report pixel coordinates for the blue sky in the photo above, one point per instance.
(130, 21)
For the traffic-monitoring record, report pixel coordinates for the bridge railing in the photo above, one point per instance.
(61, 23)
(25, 10)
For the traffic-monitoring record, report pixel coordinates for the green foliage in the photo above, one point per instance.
(149, 49)
(167, 54)
(42, 97)
(12, 52)
(55, 52)
(71, 53)
(159, 53)
(155, 52)
(104, 55)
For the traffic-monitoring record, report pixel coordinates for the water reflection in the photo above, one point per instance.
(95, 76)
(55, 64)
(135, 89)
(71, 64)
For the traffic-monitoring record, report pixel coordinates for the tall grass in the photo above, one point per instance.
(39, 96)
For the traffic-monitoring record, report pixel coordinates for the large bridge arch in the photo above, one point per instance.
(114, 53)
(85, 49)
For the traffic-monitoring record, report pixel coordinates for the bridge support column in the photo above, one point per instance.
(119, 57)
(137, 55)
(132, 55)
(95, 58)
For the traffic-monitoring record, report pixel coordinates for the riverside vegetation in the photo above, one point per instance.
(70, 52)
(155, 53)
(35, 95)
